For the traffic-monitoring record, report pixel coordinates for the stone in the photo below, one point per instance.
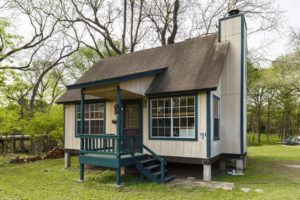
(227, 187)
(207, 172)
(246, 190)
(259, 190)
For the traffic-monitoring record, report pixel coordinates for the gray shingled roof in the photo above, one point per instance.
(194, 64)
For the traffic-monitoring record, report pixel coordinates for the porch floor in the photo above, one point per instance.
(110, 160)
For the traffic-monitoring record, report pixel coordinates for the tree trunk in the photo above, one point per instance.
(258, 127)
(268, 125)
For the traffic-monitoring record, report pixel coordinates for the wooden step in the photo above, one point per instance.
(150, 167)
(147, 160)
(169, 178)
(158, 173)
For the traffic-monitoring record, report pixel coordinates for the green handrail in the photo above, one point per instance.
(162, 161)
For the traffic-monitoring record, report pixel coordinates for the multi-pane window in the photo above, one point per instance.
(173, 117)
(216, 117)
(93, 118)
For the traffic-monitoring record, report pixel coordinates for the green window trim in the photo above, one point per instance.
(194, 138)
(88, 103)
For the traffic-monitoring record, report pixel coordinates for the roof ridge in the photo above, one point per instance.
(157, 47)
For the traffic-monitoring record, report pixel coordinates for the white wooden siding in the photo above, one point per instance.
(137, 86)
(231, 87)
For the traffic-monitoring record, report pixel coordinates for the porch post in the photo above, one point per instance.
(119, 132)
(81, 132)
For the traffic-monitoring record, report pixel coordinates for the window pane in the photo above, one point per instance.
(176, 132)
(168, 103)
(161, 132)
(161, 122)
(183, 122)
(182, 101)
(176, 112)
(167, 112)
(191, 122)
(154, 122)
(216, 107)
(154, 112)
(190, 111)
(161, 103)
(154, 131)
(183, 111)
(216, 128)
(160, 112)
(176, 102)
(168, 132)
(190, 101)
(168, 122)
(154, 103)
(176, 122)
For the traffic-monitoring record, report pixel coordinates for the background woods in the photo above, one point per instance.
(46, 45)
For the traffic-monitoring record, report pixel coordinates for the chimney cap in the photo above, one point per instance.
(233, 12)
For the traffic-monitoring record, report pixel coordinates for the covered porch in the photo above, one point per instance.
(124, 147)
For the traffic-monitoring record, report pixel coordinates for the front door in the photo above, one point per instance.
(132, 113)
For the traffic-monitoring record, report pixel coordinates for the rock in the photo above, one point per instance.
(246, 190)
(259, 190)
(56, 152)
(227, 187)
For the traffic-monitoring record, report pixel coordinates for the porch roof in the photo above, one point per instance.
(191, 65)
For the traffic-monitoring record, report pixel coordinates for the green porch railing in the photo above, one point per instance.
(106, 144)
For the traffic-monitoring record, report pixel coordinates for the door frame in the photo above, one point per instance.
(140, 103)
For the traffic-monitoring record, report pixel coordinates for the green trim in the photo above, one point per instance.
(91, 102)
(117, 79)
(208, 125)
(242, 84)
(179, 93)
(110, 161)
(195, 138)
(81, 118)
(64, 128)
(219, 135)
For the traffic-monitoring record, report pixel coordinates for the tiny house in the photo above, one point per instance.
(184, 102)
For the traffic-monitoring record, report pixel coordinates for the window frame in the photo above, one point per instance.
(215, 97)
(195, 136)
(88, 102)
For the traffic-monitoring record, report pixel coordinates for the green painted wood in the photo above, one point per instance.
(117, 79)
(82, 119)
(208, 125)
(81, 171)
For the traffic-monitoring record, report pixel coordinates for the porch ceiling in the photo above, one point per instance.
(109, 92)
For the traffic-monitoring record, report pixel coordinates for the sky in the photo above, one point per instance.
(280, 41)
(280, 44)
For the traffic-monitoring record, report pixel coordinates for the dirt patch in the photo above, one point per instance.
(292, 166)
(199, 183)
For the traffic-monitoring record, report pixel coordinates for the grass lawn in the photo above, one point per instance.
(48, 179)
